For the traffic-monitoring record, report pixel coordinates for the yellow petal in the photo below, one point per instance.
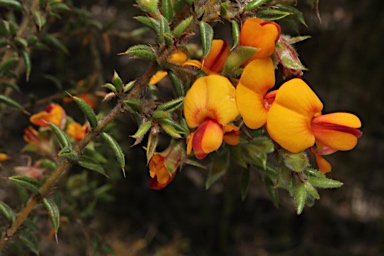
(178, 57)
(340, 118)
(250, 106)
(297, 96)
(157, 77)
(193, 63)
(290, 129)
(259, 75)
(212, 136)
(210, 97)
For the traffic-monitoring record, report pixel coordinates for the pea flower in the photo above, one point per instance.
(178, 57)
(296, 123)
(77, 131)
(37, 142)
(163, 166)
(260, 34)
(252, 98)
(209, 105)
(53, 113)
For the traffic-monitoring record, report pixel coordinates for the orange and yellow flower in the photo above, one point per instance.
(296, 123)
(78, 131)
(260, 34)
(53, 113)
(163, 166)
(209, 105)
(252, 98)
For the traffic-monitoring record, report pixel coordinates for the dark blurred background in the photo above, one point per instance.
(346, 71)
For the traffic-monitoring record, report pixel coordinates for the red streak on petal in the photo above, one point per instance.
(340, 128)
(269, 98)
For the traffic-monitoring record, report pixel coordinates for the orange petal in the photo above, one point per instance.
(210, 97)
(216, 58)
(3, 157)
(334, 139)
(54, 113)
(290, 129)
(207, 138)
(77, 131)
(251, 107)
(323, 165)
(338, 118)
(297, 96)
(260, 34)
(231, 134)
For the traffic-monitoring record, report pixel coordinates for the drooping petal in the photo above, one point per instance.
(323, 165)
(210, 97)
(214, 62)
(297, 96)
(53, 113)
(257, 78)
(260, 34)
(207, 138)
(290, 129)
(231, 134)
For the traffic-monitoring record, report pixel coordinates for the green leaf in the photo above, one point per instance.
(62, 137)
(11, 4)
(300, 196)
(8, 64)
(91, 165)
(27, 63)
(237, 58)
(87, 111)
(217, 169)
(12, 103)
(116, 81)
(297, 162)
(39, 18)
(141, 51)
(27, 182)
(235, 33)
(153, 140)
(7, 212)
(169, 129)
(254, 4)
(30, 241)
(296, 13)
(149, 22)
(167, 9)
(272, 191)
(206, 34)
(172, 105)
(325, 183)
(311, 190)
(56, 43)
(245, 183)
(11, 85)
(112, 143)
(53, 212)
(143, 129)
(177, 84)
(21, 42)
(182, 26)
(272, 14)
(165, 32)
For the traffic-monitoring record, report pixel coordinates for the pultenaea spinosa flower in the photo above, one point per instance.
(78, 131)
(296, 123)
(252, 98)
(209, 105)
(53, 113)
(163, 166)
(260, 34)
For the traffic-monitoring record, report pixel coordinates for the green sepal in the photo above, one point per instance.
(27, 182)
(7, 212)
(300, 197)
(141, 51)
(206, 33)
(217, 169)
(53, 212)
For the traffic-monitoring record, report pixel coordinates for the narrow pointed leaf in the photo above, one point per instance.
(141, 51)
(12, 103)
(53, 212)
(167, 9)
(182, 26)
(87, 111)
(149, 22)
(254, 4)
(311, 190)
(91, 165)
(177, 84)
(12, 4)
(153, 140)
(143, 129)
(170, 130)
(324, 183)
(206, 33)
(172, 105)
(7, 212)
(235, 34)
(116, 81)
(62, 137)
(300, 196)
(27, 182)
(272, 14)
(112, 143)
(39, 18)
(56, 43)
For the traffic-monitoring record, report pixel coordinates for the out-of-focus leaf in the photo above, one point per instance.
(11, 4)
(217, 169)
(30, 241)
(244, 183)
(27, 182)
(39, 18)
(53, 41)
(7, 212)
(12, 103)
(167, 9)
(91, 165)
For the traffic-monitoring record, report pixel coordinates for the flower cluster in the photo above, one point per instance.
(217, 105)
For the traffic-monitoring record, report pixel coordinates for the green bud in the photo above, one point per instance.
(297, 162)
(159, 114)
(148, 5)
